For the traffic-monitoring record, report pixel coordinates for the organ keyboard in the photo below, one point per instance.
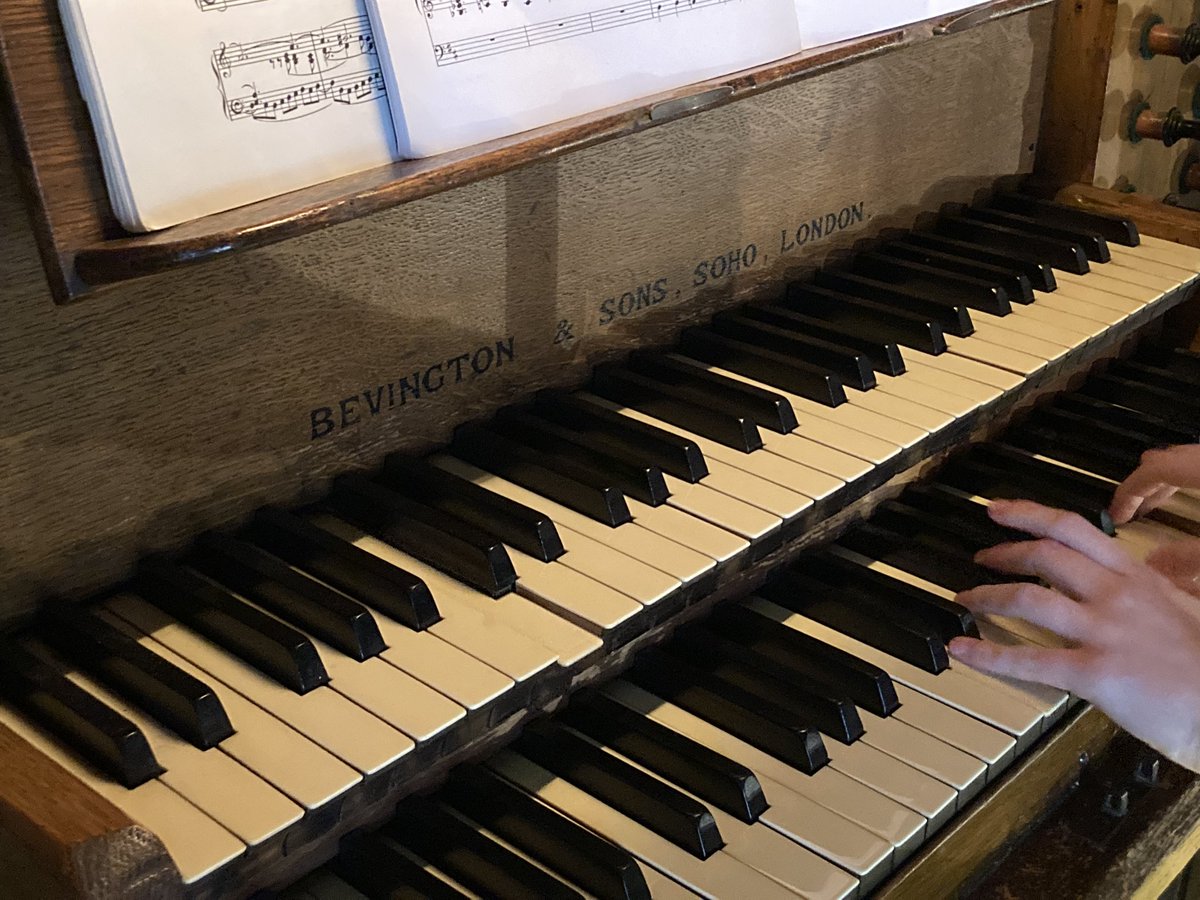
(300, 674)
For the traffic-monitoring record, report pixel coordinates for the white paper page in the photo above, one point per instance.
(212, 104)
(465, 71)
(822, 22)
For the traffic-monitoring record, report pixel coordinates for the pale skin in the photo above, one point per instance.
(1132, 637)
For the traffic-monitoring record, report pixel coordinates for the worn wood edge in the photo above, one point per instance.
(1130, 868)
(1012, 804)
(1081, 52)
(351, 197)
(60, 838)
(1151, 217)
(255, 872)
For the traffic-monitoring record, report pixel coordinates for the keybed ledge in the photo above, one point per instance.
(84, 249)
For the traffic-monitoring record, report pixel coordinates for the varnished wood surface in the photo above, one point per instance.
(58, 838)
(82, 245)
(183, 402)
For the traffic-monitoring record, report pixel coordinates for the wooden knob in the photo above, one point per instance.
(1168, 127)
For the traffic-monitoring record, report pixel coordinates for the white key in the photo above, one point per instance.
(900, 407)
(1183, 505)
(952, 686)
(815, 455)
(846, 822)
(730, 513)
(1099, 295)
(753, 477)
(1020, 321)
(1082, 329)
(867, 435)
(1064, 303)
(1002, 357)
(1180, 255)
(718, 876)
(931, 755)
(197, 845)
(989, 745)
(274, 750)
(343, 728)
(977, 392)
(1001, 331)
(964, 368)
(703, 537)
(509, 634)
(892, 778)
(212, 781)
(915, 391)
(663, 887)
(1161, 277)
(767, 851)
(639, 564)
(450, 671)
(321, 885)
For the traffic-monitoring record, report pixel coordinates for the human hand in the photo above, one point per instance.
(1135, 636)
(1180, 562)
(1160, 474)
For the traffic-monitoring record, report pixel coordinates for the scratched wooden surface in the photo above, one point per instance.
(1146, 167)
(184, 401)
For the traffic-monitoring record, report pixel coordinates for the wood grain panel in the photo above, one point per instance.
(184, 401)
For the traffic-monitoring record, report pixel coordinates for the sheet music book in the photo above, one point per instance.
(200, 106)
(822, 22)
(460, 72)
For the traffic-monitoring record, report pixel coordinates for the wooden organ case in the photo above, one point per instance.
(159, 386)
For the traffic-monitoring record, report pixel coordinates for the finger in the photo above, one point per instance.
(1178, 559)
(1066, 569)
(1058, 668)
(1065, 527)
(1033, 603)
(1157, 498)
(1178, 466)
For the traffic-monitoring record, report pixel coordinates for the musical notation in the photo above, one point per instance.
(222, 5)
(440, 14)
(300, 74)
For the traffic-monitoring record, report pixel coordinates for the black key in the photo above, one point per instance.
(1179, 360)
(1016, 284)
(459, 549)
(382, 871)
(733, 665)
(673, 406)
(778, 369)
(1160, 432)
(902, 517)
(581, 857)
(1039, 271)
(977, 293)
(1012, 475)
(874, 320)
(932, 556)
(1118, 449)
(824, 603)
(641, 482)
(295, 597)
(807, 658)
(715, 779)
(623, 437)
(953, 317)
(663, 809)
(1181, 411)
(530, 469)
(852, 367)
(884, 355)
(737, 712)
(766, 408)
(1093, 244)
(184, 704)
(1136, 370)
(93, 729)
(1065, 255)
(947, 618)
(1119, 231)
(529, 530)
(275, 649)
(472, 859)
(375, 582)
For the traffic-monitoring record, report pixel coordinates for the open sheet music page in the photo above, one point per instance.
(464, 71)
(204, 105)
(823, 22)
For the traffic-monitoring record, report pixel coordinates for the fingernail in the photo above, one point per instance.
(960, 647)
